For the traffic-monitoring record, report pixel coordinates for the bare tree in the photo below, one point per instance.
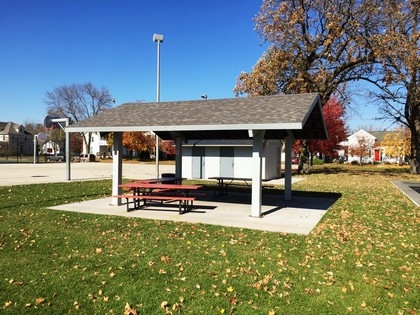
(78, 102)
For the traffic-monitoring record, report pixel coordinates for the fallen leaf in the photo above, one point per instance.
(129, 311)
(176, 307)
(7, 304)
(39, 301)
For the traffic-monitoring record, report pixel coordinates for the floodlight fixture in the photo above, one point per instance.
(158, 38)
(204, 96)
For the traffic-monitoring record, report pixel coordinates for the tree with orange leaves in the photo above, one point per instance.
(322, 45)
(138, 141)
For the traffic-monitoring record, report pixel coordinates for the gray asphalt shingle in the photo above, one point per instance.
(218, 118)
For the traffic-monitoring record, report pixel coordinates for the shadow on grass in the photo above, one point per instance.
(272, 197)
(360, 169)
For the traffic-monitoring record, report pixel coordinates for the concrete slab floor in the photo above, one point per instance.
(299, 215)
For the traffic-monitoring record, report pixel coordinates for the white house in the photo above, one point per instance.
(366, 144)
(98, 146)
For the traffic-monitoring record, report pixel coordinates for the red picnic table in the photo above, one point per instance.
(146, 191)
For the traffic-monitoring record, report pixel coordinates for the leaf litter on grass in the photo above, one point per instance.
(362, 257)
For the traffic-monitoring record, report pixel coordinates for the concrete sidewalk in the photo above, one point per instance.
(410, 189)
(300, 215)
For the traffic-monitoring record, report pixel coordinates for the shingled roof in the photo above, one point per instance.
(300, 114)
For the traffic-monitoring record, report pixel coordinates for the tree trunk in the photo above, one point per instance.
(412, 114)
(304, 167)
(415, 149)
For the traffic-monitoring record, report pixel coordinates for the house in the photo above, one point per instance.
(98, 146)
(365, 147)
(203, 159)
(15, 140)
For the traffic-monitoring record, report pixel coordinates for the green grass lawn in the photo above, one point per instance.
(362, 258)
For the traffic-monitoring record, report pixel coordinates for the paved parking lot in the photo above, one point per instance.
(25, 173)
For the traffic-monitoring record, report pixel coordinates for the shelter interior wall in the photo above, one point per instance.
(212, 162)
(242, 165)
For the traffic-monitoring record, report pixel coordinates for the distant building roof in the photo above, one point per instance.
(380, 135)
(7, 128)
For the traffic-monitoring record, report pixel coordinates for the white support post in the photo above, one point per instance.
(35, 145)
(178, 157)
(288, 169)
(68, 157)
(116, 168)
(257, 144)
(67, 123)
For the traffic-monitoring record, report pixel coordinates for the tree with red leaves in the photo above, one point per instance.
(334, 120)
(333, 112)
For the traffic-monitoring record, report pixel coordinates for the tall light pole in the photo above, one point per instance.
(158, 38)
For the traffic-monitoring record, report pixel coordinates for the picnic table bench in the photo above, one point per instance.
(154, 192)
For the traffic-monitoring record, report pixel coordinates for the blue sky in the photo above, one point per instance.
(49, 43)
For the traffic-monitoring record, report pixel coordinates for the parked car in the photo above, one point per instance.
(58, 157)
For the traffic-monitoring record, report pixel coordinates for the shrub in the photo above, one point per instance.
(317, 161)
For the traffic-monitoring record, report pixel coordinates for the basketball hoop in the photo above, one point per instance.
(49, 122)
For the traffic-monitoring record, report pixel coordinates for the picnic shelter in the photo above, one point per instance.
(261, 118)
